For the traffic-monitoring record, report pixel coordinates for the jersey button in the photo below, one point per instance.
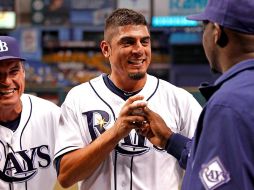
(123, 184)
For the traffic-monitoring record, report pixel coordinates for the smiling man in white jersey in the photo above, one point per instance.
(27, 127)
(97, 144)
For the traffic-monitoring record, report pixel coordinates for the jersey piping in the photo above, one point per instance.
(103, 100)
(31, 107)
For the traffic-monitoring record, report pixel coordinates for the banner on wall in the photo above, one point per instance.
(30, 43)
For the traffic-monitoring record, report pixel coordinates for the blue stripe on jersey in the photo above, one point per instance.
(131, 172)
(66, 148)
(31, 108)
(103, 100)
(115, 174)
(4, 149)
(157, 85)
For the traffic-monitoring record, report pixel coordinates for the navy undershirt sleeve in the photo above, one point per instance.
(57, 163)
(179, 147)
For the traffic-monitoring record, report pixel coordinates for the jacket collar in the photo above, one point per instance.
(207, 90)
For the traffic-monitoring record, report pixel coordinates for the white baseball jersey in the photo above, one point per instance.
(26, 155)
(135, 164)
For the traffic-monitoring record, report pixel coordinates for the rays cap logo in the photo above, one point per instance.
(9, 48)
(213, 174)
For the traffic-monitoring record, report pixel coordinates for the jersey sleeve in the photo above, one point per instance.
(68, 135)
(222, 153)
(189, 110)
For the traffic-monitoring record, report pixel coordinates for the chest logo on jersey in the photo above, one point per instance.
(21, 166)
(213, 174)
(98, 120)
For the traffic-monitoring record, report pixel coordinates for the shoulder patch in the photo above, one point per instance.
(213, 174)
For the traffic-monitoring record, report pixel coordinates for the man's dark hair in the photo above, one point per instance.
(123, 17)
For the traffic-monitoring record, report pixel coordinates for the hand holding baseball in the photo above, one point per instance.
(155, 130)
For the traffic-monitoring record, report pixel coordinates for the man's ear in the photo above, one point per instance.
(105, 48)
(22, 66)
(221, 38)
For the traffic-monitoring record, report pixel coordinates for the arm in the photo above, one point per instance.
(179, 147)
(80, 164)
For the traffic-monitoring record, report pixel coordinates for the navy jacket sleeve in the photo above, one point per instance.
(179, 147)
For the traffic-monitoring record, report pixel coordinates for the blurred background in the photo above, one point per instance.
(60, 41)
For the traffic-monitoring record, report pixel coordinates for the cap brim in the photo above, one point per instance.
(197, 17)
(11, 57)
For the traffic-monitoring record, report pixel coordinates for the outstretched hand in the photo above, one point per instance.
(155, 130)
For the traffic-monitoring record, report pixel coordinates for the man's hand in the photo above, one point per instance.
(155, 130)
(128, 118)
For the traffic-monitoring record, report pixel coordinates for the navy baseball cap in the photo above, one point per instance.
(232, 14)
(9, 48)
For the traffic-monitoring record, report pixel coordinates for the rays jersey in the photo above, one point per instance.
(26, 155)
(91, 108)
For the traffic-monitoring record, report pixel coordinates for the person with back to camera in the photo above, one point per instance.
(97, 144)
(221, 155)
(27, 127)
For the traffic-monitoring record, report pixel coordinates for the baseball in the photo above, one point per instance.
(139, 101)
(138, 111)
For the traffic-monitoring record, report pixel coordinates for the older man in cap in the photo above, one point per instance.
(27, 127)
(222, 152)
